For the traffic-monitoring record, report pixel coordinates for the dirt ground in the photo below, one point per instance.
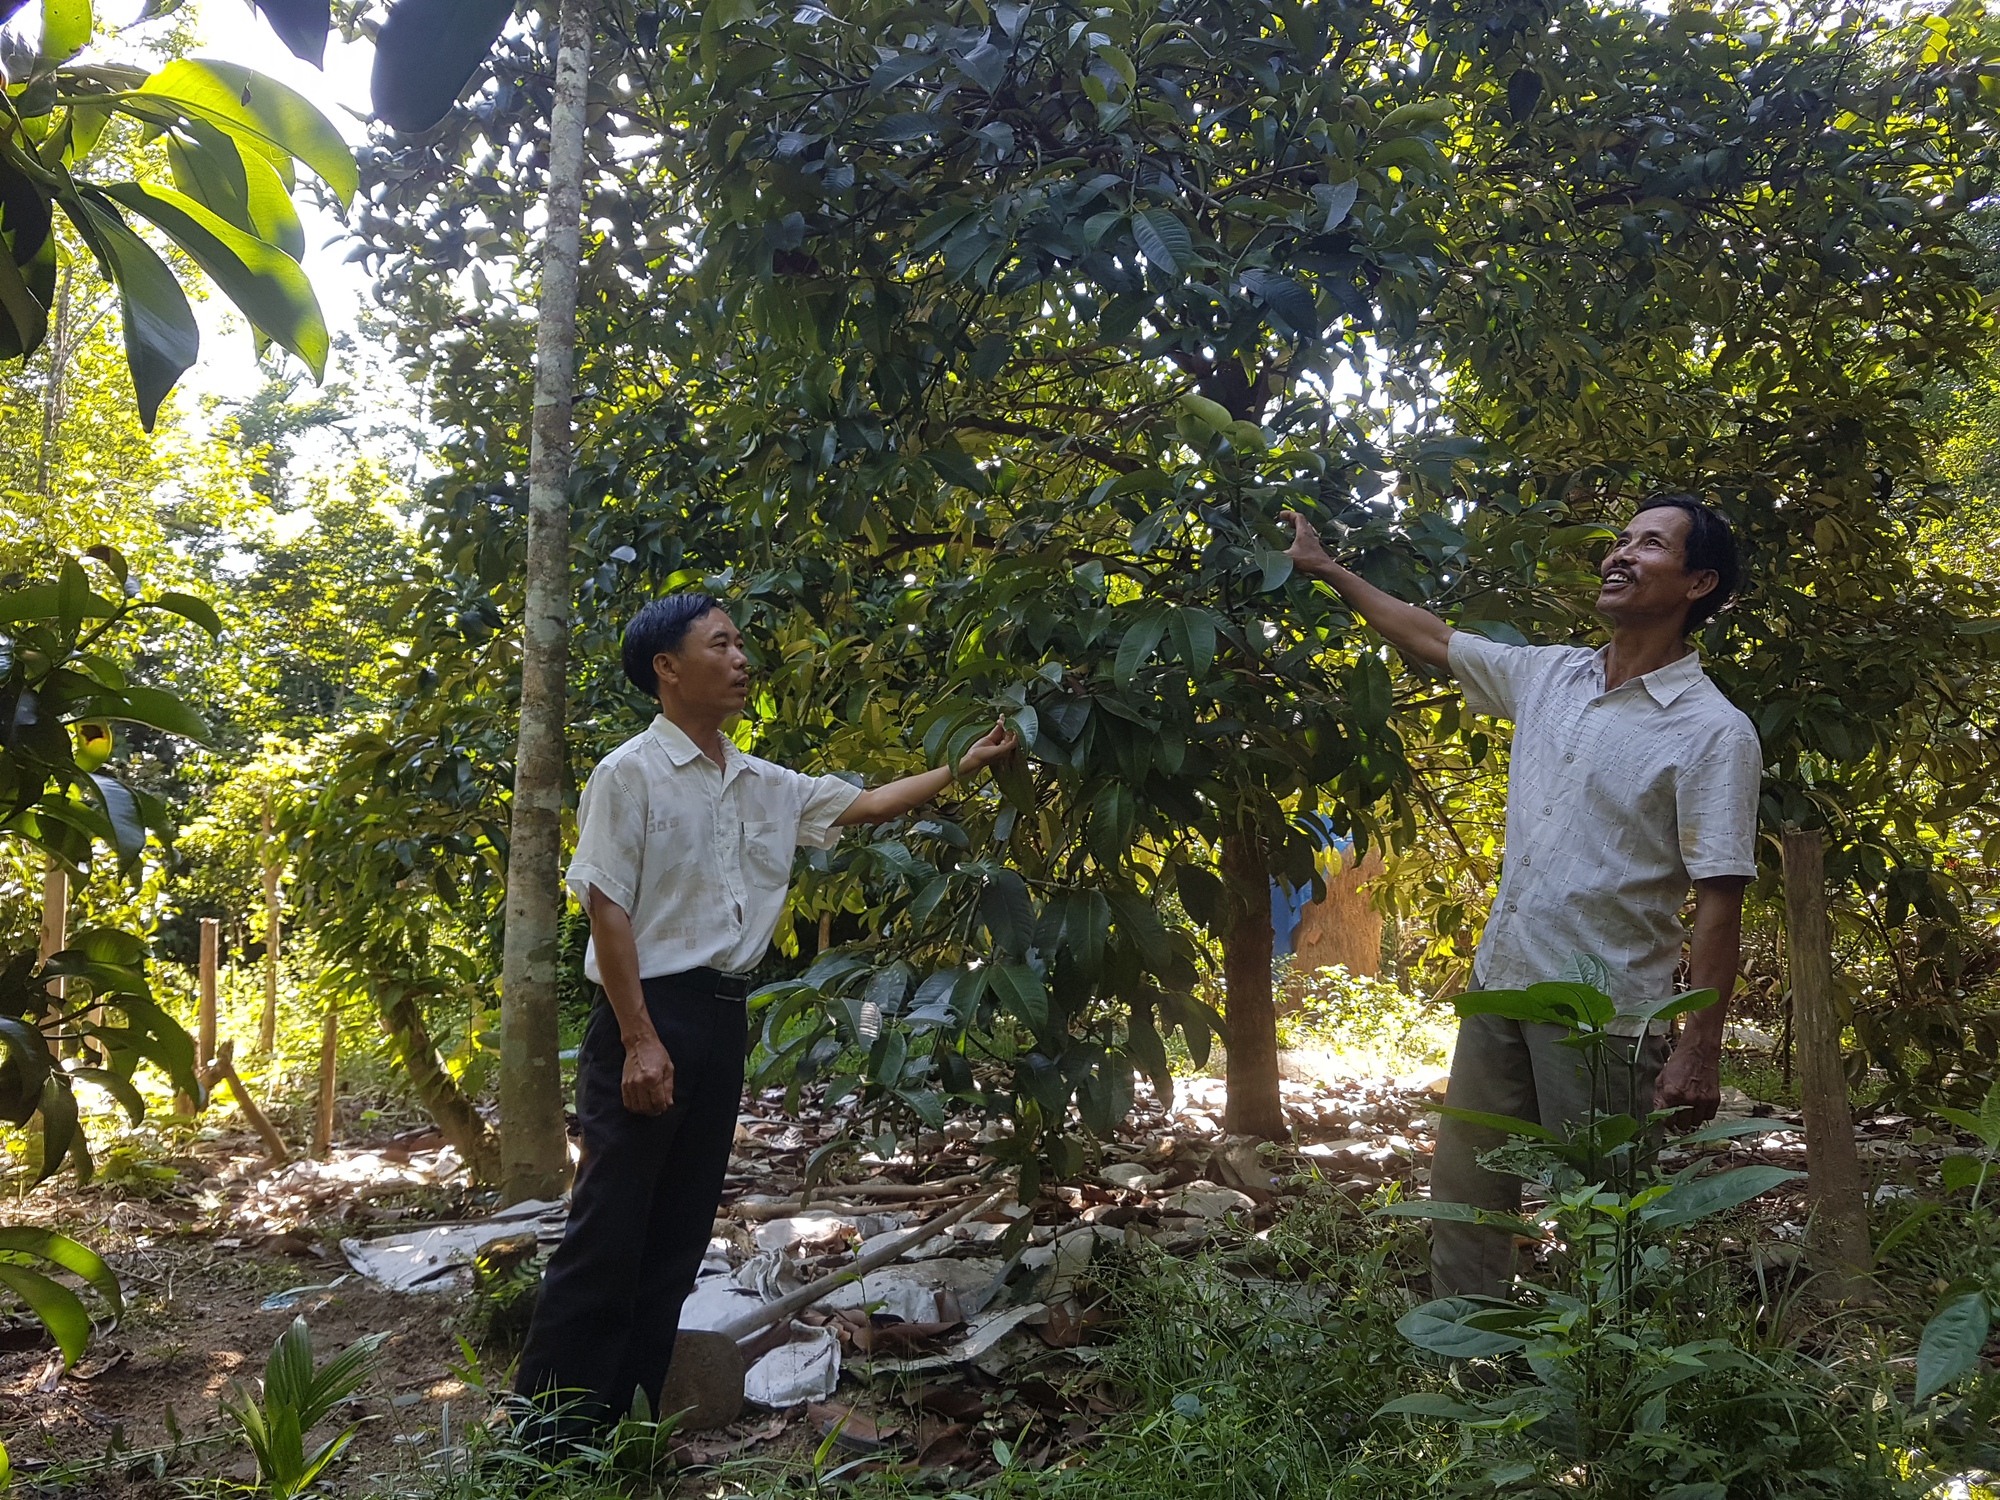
(204, 1236)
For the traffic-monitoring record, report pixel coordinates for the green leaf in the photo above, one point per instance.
(117, 1087)
(154, 707)
(1136, 648)
(1457, 1213)
(161, 339)
(1164, 240)
(1007, 911)
(54, 1305)
(264, 282)
(1019, 991)
(1964, 1172)
(1429, 1404)
(1728, 1130)
(59, 1126)
(256, 111)
(1685, 1202)
(121, 810)
(188, 607)
(1951, 1343)
(243, 189)
(24, 313)
(1676, 1006)
(61, 1250)
(1194, 639)
(1441, 1327)
(427, 52)
(66, 27)
(1505, 1124)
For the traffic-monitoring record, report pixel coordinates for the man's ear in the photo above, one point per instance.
(666, 670)
(1700, 586)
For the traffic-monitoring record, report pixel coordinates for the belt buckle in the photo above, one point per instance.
(732, 987)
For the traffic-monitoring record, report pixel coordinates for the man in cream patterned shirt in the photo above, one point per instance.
(1631, 780)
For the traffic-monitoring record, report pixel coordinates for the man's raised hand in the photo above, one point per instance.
(997, 745)
(1307, 552)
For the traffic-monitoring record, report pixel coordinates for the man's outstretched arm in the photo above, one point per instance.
(1417, 633)
(881, 803)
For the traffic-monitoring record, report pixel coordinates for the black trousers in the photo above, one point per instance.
(642, 1210)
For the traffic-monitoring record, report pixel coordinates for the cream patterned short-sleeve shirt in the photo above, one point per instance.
(699, 855)
(1616, 803)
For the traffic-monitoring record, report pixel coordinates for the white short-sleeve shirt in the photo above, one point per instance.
(1616, 803)
(699, 855)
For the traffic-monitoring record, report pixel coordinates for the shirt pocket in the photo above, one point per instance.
(768, 846)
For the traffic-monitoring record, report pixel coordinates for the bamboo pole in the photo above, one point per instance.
(267, 1024)
(1839, 1234)
(329, 1044)
(211, 942)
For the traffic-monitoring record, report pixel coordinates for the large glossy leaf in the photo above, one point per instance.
(117, 1086)
(1685, 1202)
(56, 1307)
(427, 52)
(155, 708)
(121, 811)
(1020, 992)
(253, 110)
(161, 339)
(263, 281)
(66, 26)
(301, 25)
(1951, 1342)
(241, 187)
(1164, 240)
(71, 1255)
(1444, 1327)
(59, 1123)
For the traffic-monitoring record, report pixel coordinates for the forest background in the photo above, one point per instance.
(969, 355)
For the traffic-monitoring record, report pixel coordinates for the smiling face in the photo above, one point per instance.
(707, 675)
(1645, 576)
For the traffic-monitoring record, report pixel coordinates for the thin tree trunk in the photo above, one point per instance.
(267, 1024)
(534, 1147)
(1255, 1106)
(329, 1049)
(457, 1121)
(1833, 1169)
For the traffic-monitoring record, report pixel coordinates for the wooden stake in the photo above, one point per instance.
(223, 1068)
(55, 918)
(267, 1024)
(204, 1034)
(329, 1044)
(1839, 1235)
(211, 941)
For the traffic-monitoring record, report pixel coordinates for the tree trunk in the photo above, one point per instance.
(1833, 1169)
(1254, 1107)
(457, 1121)
(534, 1149)
(329, 1049)
(267, 1024)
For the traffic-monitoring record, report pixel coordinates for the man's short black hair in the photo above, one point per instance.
(660, 626)
(1711, 548)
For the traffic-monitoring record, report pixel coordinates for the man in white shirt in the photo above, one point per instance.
(1631, 778)
(683, 857)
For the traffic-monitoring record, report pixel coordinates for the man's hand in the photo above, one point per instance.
(1307, 552)
(997, 745)
(648, 1085)
(1691, 1082)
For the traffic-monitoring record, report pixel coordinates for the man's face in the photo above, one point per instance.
(708, 672)
(1645, 574)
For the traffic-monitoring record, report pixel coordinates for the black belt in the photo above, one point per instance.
(714, 982)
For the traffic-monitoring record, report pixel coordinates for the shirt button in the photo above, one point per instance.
(1512, 907)
(1547, 810)
(1568, 758)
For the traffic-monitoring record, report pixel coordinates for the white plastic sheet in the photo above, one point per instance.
(434, 1260)
(807, 1369)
